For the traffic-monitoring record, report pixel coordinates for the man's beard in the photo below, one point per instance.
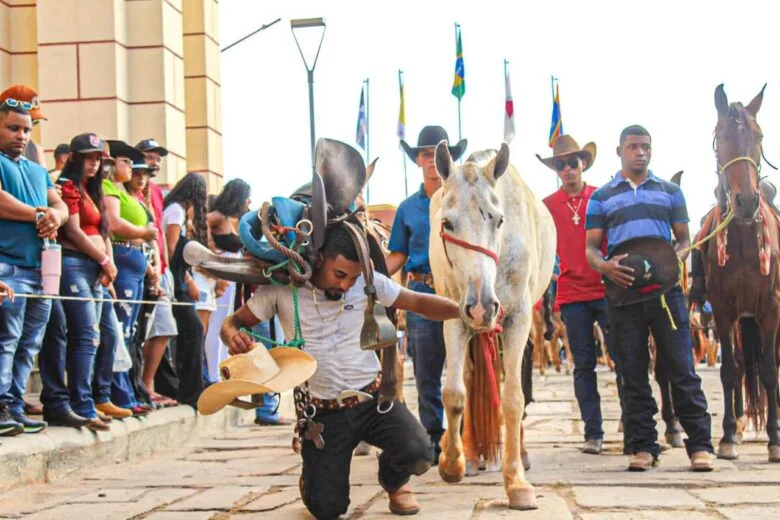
(334, 297)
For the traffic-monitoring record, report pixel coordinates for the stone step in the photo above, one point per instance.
(57, 451)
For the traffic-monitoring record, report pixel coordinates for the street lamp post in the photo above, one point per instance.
(305, 23)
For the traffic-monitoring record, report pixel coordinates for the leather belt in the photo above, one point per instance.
(426, 278)
(348, 402)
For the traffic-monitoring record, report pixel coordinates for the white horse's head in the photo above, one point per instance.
(471, 229)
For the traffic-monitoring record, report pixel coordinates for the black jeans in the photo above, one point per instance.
(579, 318)
(630, 325)
(405, 451)
(189, 351)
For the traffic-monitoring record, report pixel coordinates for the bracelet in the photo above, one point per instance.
(105, 261)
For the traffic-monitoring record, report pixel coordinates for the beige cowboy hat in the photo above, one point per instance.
(565, 146)
(258, 371)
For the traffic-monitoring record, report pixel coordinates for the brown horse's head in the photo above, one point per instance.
(738, 150)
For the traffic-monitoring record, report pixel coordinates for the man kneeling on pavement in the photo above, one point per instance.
(331, 308)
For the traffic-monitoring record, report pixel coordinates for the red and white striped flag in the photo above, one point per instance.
(509, 111)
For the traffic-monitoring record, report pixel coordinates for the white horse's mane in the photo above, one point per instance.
(482, 157)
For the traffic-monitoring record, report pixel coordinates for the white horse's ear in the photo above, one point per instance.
(370, 170)
(443, 159)
(498, 165)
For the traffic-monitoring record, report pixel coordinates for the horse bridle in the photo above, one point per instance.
(727, 191)
(446, 237)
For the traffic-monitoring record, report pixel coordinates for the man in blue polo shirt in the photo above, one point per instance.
(636, 203)
(409, 249)
(29, 210)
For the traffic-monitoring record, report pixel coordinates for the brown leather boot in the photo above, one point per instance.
(402, 501)
(702, 461)
(642, 461)
(113, 410)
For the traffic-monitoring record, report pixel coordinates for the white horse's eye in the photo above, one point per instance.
(447, 225)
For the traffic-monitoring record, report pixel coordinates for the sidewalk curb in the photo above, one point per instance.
(58, 451)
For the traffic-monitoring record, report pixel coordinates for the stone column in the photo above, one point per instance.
(202, 88)
(114, 67)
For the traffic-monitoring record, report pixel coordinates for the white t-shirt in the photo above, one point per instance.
(331, 330)
(175, 214)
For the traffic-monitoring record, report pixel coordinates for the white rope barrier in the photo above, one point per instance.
(109, 300)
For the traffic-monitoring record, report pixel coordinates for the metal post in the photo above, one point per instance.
(301, 24)
(311, 115)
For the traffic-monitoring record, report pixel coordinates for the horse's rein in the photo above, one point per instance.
(446, 237)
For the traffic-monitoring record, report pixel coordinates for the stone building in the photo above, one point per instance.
(126, 69)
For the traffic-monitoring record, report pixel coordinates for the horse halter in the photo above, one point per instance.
(446, 237)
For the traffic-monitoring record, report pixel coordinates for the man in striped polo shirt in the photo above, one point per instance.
(636, 203)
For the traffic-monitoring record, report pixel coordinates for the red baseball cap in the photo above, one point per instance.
(24, 93)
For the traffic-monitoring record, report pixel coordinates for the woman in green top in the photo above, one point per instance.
(132, 233)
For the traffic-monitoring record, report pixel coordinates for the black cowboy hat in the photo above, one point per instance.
(122, 149)
(656, 270)
(430, 137)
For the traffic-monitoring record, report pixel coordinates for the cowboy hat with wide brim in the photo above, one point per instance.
(430, 137)
(564, 147)
(656, 270)
(258, 371)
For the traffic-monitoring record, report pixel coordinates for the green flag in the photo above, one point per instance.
(459, 84)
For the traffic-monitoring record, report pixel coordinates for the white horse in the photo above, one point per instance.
(492, 248)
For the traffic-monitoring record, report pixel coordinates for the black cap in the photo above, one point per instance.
(150, 145)
(86, 143)
(122, 149)
(62, 149)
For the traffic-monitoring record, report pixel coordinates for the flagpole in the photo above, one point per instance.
(457, 26)
(368, 141)
(403, 153)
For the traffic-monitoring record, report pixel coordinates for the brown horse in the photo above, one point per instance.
(742, 270)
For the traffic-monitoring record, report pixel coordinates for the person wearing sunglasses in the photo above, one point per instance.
(30, 210)
(579, 290)
(26, 97)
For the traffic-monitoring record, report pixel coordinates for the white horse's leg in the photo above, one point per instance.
(452, 463)
(518, 489)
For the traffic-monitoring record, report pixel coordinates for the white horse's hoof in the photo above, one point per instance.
(452, 472)
(523, 499)
(472, 468)
(727, 451)
(675, 439)
(774, 453)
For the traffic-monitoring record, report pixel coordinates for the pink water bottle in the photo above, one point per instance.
(51, 266)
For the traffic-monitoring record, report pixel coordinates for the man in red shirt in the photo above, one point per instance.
(580, 292)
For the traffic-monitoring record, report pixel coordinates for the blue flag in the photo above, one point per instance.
(362, 123)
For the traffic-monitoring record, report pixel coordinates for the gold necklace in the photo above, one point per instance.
(317, 305)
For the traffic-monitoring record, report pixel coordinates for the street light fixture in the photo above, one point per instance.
(302, 24)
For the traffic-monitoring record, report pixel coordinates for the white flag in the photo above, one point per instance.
(509, 113)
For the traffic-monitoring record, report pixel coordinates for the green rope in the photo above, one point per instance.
(297, 341)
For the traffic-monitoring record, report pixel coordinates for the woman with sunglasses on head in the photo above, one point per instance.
(86, 264)
(132, 231)
(189, 194)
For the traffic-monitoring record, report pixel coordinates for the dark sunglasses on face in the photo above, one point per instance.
(15, 103)
(573, 163)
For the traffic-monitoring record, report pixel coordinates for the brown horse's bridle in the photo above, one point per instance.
(751, 161)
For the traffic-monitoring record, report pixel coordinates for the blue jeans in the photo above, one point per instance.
(22, 326)
(52, 361)
(579, 318)
(426, 348)
(630, 325)
(268, 411)
(104, 359)
(129, 285)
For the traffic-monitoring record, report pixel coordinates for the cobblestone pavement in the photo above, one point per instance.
(252, 473)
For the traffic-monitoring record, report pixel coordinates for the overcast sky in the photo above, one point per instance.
(618, 63)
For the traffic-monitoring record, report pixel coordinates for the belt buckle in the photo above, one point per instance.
(356, 394)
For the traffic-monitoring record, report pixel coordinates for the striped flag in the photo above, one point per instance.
(362, 123)
(556, 126)
(509, 111)
(459, 83)
(401, 131)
